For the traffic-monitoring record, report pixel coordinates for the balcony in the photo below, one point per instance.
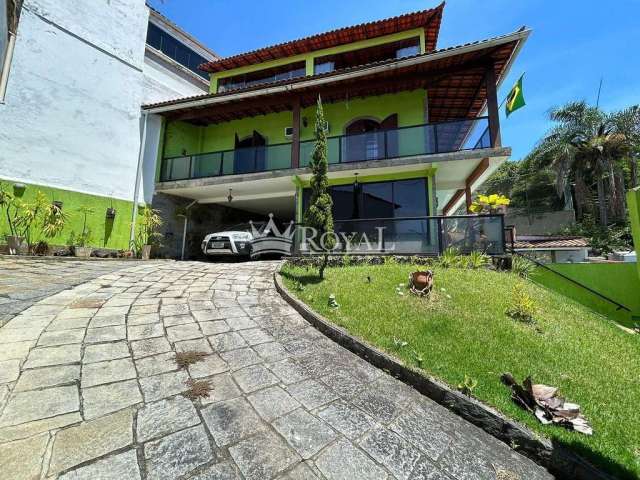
(418, 140)
(417, 235)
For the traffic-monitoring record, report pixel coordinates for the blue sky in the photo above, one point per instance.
(573, 44)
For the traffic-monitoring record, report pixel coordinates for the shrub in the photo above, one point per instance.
(450, 258)
(522, 306)
(477, 260)
(522, 266)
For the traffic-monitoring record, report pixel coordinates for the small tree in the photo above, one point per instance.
(10, 208)
(148, 226)
(319, 215)
(84, 237)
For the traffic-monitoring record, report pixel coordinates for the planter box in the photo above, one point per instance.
(145, 252)
(82, 252)
(16, 245)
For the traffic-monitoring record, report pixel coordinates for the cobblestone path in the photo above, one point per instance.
(24, 281)
(89, 389)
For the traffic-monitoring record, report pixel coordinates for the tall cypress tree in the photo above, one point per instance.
(319, 214)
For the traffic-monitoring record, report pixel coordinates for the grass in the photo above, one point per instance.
(462, 334)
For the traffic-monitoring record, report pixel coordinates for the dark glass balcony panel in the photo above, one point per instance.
(415, 235)
(410, 141)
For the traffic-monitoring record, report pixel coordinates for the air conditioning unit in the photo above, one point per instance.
(288, 132)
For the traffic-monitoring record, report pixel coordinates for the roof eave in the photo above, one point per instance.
(211, 99)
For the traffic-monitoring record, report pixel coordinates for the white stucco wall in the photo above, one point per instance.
(71, 117)
(161, 82)
(71, 113)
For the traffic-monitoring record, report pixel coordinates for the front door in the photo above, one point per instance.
(250, 154)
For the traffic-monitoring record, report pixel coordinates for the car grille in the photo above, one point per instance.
(224, 240)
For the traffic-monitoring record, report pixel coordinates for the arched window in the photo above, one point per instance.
(370, 139)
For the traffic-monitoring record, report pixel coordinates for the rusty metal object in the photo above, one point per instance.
(421, 282)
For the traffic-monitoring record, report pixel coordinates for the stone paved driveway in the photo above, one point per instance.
(24, 281)
(90, 390)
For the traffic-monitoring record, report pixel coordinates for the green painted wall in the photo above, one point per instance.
(308, 58)
(410, 107)
(106, 233)
(618, 281)
(182, 137)
(633, 203)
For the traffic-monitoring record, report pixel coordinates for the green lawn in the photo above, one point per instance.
(463, 330)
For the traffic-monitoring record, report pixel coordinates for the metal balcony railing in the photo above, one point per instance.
(400, 142)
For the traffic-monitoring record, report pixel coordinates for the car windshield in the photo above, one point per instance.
(245, 227)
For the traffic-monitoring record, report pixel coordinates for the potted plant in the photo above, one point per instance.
(80, 241)
(30, 215)
(53, 222)
(10, 208)
(148, 234)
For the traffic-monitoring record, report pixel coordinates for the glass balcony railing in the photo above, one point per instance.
(411, 141)
(417, 140)
(228, 162)
(415, 235)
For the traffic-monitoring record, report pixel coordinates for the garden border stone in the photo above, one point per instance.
(556, 458)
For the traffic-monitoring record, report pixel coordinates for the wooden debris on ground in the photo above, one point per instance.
(545, 403)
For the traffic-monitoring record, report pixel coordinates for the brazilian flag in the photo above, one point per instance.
(515, 99)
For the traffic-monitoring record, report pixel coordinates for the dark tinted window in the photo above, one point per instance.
(345, 204)
(377, 199)
(410, 198)
(400, 198)
(362, 56)
(161, 40)
(268, 75)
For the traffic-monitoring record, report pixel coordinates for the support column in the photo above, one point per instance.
(295, 143)
(468, 199)
(492, 107)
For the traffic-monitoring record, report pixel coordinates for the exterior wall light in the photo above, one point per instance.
(18, 189)
(111, 213)
(230, 197)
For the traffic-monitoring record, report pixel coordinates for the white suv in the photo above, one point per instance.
(232, 242)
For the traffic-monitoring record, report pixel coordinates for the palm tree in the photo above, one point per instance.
(585, 146)
(627, 123)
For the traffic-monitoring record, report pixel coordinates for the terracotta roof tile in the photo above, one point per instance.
(549, 242)
(428, 19)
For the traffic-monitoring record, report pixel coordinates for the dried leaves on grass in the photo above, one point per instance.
(545, 403)
(189, 357)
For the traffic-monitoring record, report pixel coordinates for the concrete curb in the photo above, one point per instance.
(556, 458)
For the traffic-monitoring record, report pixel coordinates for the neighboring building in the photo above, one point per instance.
(75, 79)
(553, 248)
(409, 136)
